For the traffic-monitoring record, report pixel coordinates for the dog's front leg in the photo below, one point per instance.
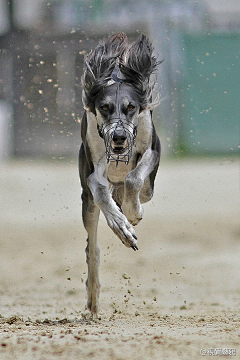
(137, 187)
(116, 220)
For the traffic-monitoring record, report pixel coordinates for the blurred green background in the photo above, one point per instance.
(42, 47)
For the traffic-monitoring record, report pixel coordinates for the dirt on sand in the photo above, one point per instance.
(177, 297)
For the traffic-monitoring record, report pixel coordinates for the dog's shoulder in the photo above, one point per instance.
(92, 138)
(144, 132)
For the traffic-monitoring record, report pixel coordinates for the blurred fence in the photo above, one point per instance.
(209, 112)
(41, 60)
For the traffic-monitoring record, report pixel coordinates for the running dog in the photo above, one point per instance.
(120, 150)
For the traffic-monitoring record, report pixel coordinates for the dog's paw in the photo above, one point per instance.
(134, 214)
(93, 290)
(123, 229)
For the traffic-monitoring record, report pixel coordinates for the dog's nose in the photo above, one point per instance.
(119, 136)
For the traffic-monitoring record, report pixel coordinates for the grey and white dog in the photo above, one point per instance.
(120, 151)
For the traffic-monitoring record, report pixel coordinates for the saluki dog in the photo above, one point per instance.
(120, 150)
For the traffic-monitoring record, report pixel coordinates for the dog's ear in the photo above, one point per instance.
(140, 58)
(139, 65)
(99, 65)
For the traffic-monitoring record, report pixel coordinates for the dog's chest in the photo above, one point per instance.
(117, 174)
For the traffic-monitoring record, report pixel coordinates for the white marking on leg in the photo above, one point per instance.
(117, 221)
(134, 183)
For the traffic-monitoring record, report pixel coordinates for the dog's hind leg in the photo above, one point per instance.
(90, 214)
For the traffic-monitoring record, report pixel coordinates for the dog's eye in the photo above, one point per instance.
(105, 107)
(130, 107)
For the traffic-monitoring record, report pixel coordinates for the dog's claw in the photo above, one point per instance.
(134, 247)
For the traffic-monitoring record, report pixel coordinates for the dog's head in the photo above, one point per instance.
(117, 88)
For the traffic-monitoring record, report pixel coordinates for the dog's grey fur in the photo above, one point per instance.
(116, 86)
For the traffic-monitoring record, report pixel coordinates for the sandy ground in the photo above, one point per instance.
(177, 297)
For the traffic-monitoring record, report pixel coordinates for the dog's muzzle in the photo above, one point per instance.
(119, 137)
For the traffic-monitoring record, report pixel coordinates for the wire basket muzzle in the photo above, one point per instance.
(107, 131)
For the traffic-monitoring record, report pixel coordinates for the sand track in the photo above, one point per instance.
(178, 294)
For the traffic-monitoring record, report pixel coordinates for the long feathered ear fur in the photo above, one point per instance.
(138, 67)
(136, 63)
(100, 64)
